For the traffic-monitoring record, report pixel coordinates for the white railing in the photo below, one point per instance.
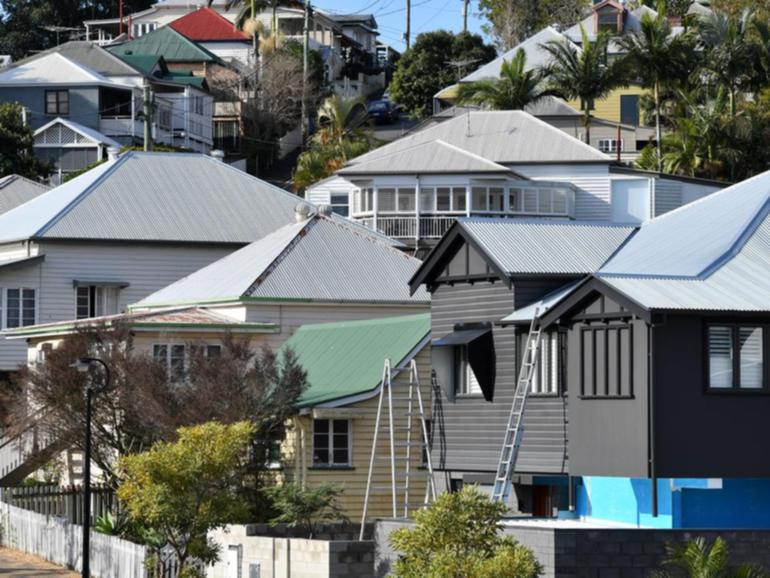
(60, 542)
(405, 226)
(120, 126)
(18, 451)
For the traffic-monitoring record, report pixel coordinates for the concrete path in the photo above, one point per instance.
(15, 564)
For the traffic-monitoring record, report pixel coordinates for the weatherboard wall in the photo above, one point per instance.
(83, 103)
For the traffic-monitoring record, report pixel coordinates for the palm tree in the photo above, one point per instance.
(652, 52)
(584, 74)
(515, 89)
(246, 20)
(696, 559)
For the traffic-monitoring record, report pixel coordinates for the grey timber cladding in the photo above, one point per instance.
(473, 428)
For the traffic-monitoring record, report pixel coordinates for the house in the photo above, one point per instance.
(16, 190)
(215, 33)
(117, 233)
(331, 438)
(667, 369)
(481, 270)
(494, 163)
(70, 146)
(316, 269)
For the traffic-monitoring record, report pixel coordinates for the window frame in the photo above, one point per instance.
(337, 204)
(735, 388)
(330, 464)
(188, 352)
(96, 294)
(58, 101)
(560, 360)
(461, 369)
(4, 305)
(593, 329)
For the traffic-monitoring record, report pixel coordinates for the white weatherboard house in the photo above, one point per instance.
(494, 164)
(123, 230)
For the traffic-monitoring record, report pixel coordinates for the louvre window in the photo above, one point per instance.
(736, 357)
(466, 382)
(546, 378)
(331, 442)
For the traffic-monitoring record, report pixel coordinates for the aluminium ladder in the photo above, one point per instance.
(513, 431)
(402, 473)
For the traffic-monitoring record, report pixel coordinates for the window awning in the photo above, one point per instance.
(478, 338)
(97, 283)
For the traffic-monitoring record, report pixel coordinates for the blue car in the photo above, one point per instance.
(383, 111)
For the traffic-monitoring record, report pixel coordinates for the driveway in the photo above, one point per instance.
(15, 564)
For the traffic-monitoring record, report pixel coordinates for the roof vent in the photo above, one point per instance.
(325, 210)
(302, 212)
(112, 153)
(218, 155)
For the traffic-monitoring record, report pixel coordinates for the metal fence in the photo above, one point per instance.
(62, 501)
(59, 541)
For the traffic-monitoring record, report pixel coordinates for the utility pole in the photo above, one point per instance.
(465, 15)
(305, 56)
(408, 32)
(121, 17)
(147, 117)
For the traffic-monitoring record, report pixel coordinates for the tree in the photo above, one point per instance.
(459, 536)
(696, 559)
(246, 20)
(652, 53)
(435, 60)
(17, 156)
(185, 489)
(516, 88)
(511, 21)
(305, 507)
(585, 74)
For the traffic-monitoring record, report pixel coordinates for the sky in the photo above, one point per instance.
(391, 16)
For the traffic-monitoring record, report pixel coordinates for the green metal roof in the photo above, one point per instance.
(345, 359)
(196, 81)
(166, 42)
(144, 63)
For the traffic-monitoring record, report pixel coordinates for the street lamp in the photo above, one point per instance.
(83, 365)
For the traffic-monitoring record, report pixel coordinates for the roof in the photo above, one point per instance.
(536, 56)
(16, 190)
(144, 63)
(365, 19)
(167, 42)
(180, 319)
(529, 246)
(53, 68)
(541, 306)
(168, 197)
(207, 25)
(504, 137)
(433, 157)
(87, 132)
(91, 56)
(319, 259)
(551, 106)
(343, 360)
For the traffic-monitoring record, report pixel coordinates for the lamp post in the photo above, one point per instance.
(83, 365)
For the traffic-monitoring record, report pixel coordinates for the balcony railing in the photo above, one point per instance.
(405, 226)
(120, 126)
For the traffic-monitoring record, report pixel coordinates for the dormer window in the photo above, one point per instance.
(608, 17)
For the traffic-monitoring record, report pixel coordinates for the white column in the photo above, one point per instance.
(417, 208)
(467, 200)
(376, 207)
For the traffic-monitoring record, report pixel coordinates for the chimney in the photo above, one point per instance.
(218, 155)
(112, 153)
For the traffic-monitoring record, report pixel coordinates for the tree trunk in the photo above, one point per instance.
(587, 126)
(658, 147)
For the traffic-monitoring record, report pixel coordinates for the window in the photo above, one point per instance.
(514, 199)
(363, 200)
(610, 145)
(94, 301)
(386, 200)
(443, 199)
(629, 109)
(340, 204)
(57, 102)
(331, 442)
(176, 357)
(731, 369)
(459, 199)
(406, 200)
(609, 20)
(546, 379)
(465, 380)
(606, 359)
(20, 308)
(479, 199)
(497, 199)
(427, 200)
(198, 105)
(426, 449)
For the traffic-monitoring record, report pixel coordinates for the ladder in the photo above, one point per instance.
(513, 431)
(400, 393)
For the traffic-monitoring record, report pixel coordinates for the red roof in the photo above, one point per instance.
(207, 25)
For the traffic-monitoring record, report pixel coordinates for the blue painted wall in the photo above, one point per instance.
(682, 503)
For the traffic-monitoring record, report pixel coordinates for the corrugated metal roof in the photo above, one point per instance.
(89, 133)
(426, 158)
(90, 55)
(346, 359)
(525, 314)
(156, 197)
(504, 136)
(16, 190)
(690, 239)
(321, 259)
(53, 68)
(206, 24)
(527, 246)
(167, 42)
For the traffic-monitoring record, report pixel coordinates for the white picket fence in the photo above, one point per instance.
(60, 542)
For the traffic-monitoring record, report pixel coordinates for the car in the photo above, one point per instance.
(383, 111)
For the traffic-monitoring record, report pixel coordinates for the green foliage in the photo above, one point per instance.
(435, 60)
(697, 559)
(459, 536)
(186, 488)
(305, 507)
(17, 155)
(108, 524)
(515, 89)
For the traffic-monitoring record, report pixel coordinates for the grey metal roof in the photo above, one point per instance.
(504, 137)
(16, 190)
(431, 157)
(528, 246)
(86, 131)
(319, 259)
(91, 56)
(541, 306)
(155, 197)
(551, 106)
